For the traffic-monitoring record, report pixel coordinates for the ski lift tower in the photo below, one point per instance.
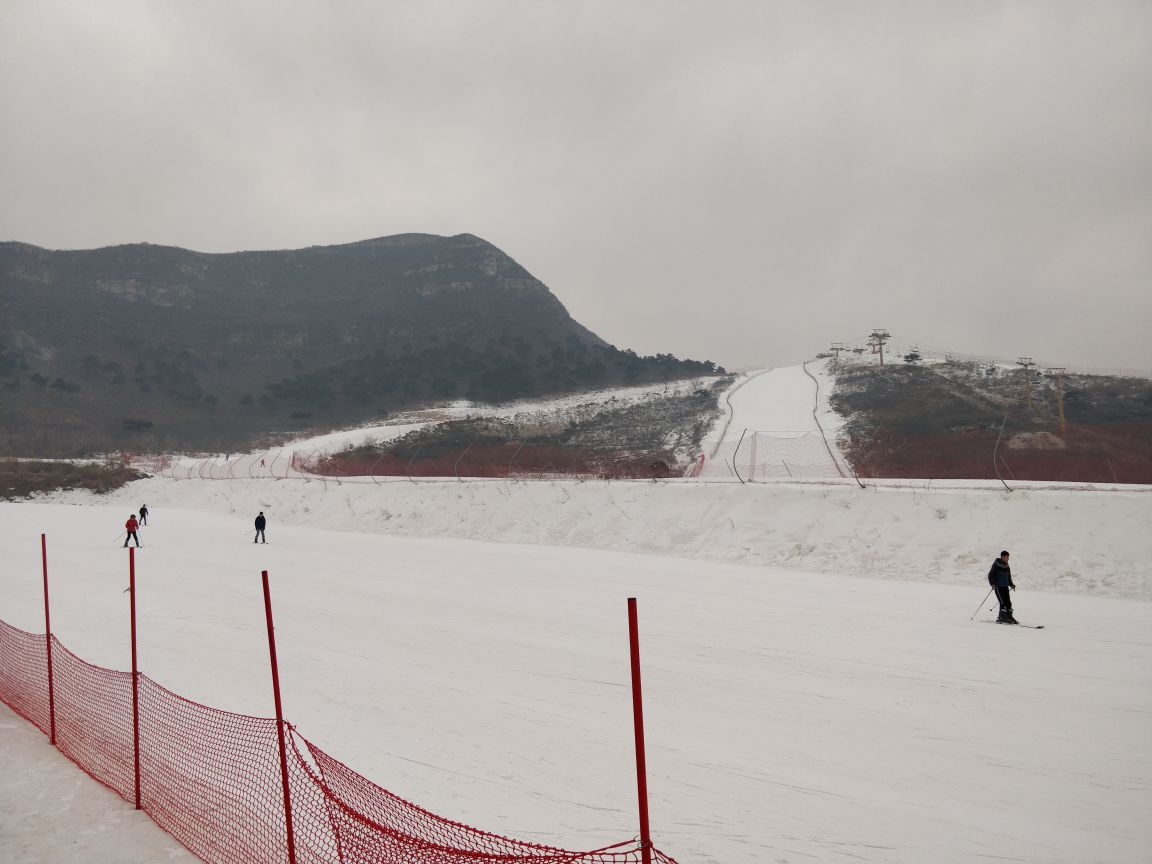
(1058, 373)
(1027, 363)
(877, 339)
(836, 348)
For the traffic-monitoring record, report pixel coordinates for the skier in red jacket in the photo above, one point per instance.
(132, 526)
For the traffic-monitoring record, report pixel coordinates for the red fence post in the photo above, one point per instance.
(48, 642)
(279, 720)
(638, 717)
(135, 673)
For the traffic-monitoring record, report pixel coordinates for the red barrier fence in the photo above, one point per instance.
(214, 780)
(1084, 454)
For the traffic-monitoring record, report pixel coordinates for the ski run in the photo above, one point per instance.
(814, 686)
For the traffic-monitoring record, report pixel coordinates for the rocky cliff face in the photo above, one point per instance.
(150, 347)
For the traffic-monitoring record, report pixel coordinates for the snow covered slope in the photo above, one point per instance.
(1086, 541)
(785, 409)
(783, 403)
(814, 687)
(277, 461)
(791, 715)
(53, 813)
(772, 400)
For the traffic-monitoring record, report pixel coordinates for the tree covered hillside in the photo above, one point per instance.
(971, 420)
(145, 348)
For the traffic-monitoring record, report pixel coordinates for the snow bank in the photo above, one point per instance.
(1095, 542)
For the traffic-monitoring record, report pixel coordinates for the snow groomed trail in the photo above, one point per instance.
(777, 403)
(777, 425)
(773, 400)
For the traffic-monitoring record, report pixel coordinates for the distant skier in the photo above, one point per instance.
(132, 526)
(260, 523)
(143, 514)
(1000, 578)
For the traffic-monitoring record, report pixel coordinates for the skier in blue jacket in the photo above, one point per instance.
(1000, 578)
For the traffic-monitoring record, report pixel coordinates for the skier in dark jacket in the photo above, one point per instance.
(143, 514)
(1000, 578)
(260, 523)
(132, 526)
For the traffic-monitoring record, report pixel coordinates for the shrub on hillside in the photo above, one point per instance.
(21, 478)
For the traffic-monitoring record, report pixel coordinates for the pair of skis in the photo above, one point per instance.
(1008, 624)
(993, 609)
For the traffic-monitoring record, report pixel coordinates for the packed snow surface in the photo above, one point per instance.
(777, 406)
(772, 400)
(795, 711)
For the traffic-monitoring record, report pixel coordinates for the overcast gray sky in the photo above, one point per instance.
(741, 182)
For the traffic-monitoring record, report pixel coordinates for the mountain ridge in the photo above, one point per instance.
(142, 346)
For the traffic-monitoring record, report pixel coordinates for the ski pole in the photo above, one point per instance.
(986, 596)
